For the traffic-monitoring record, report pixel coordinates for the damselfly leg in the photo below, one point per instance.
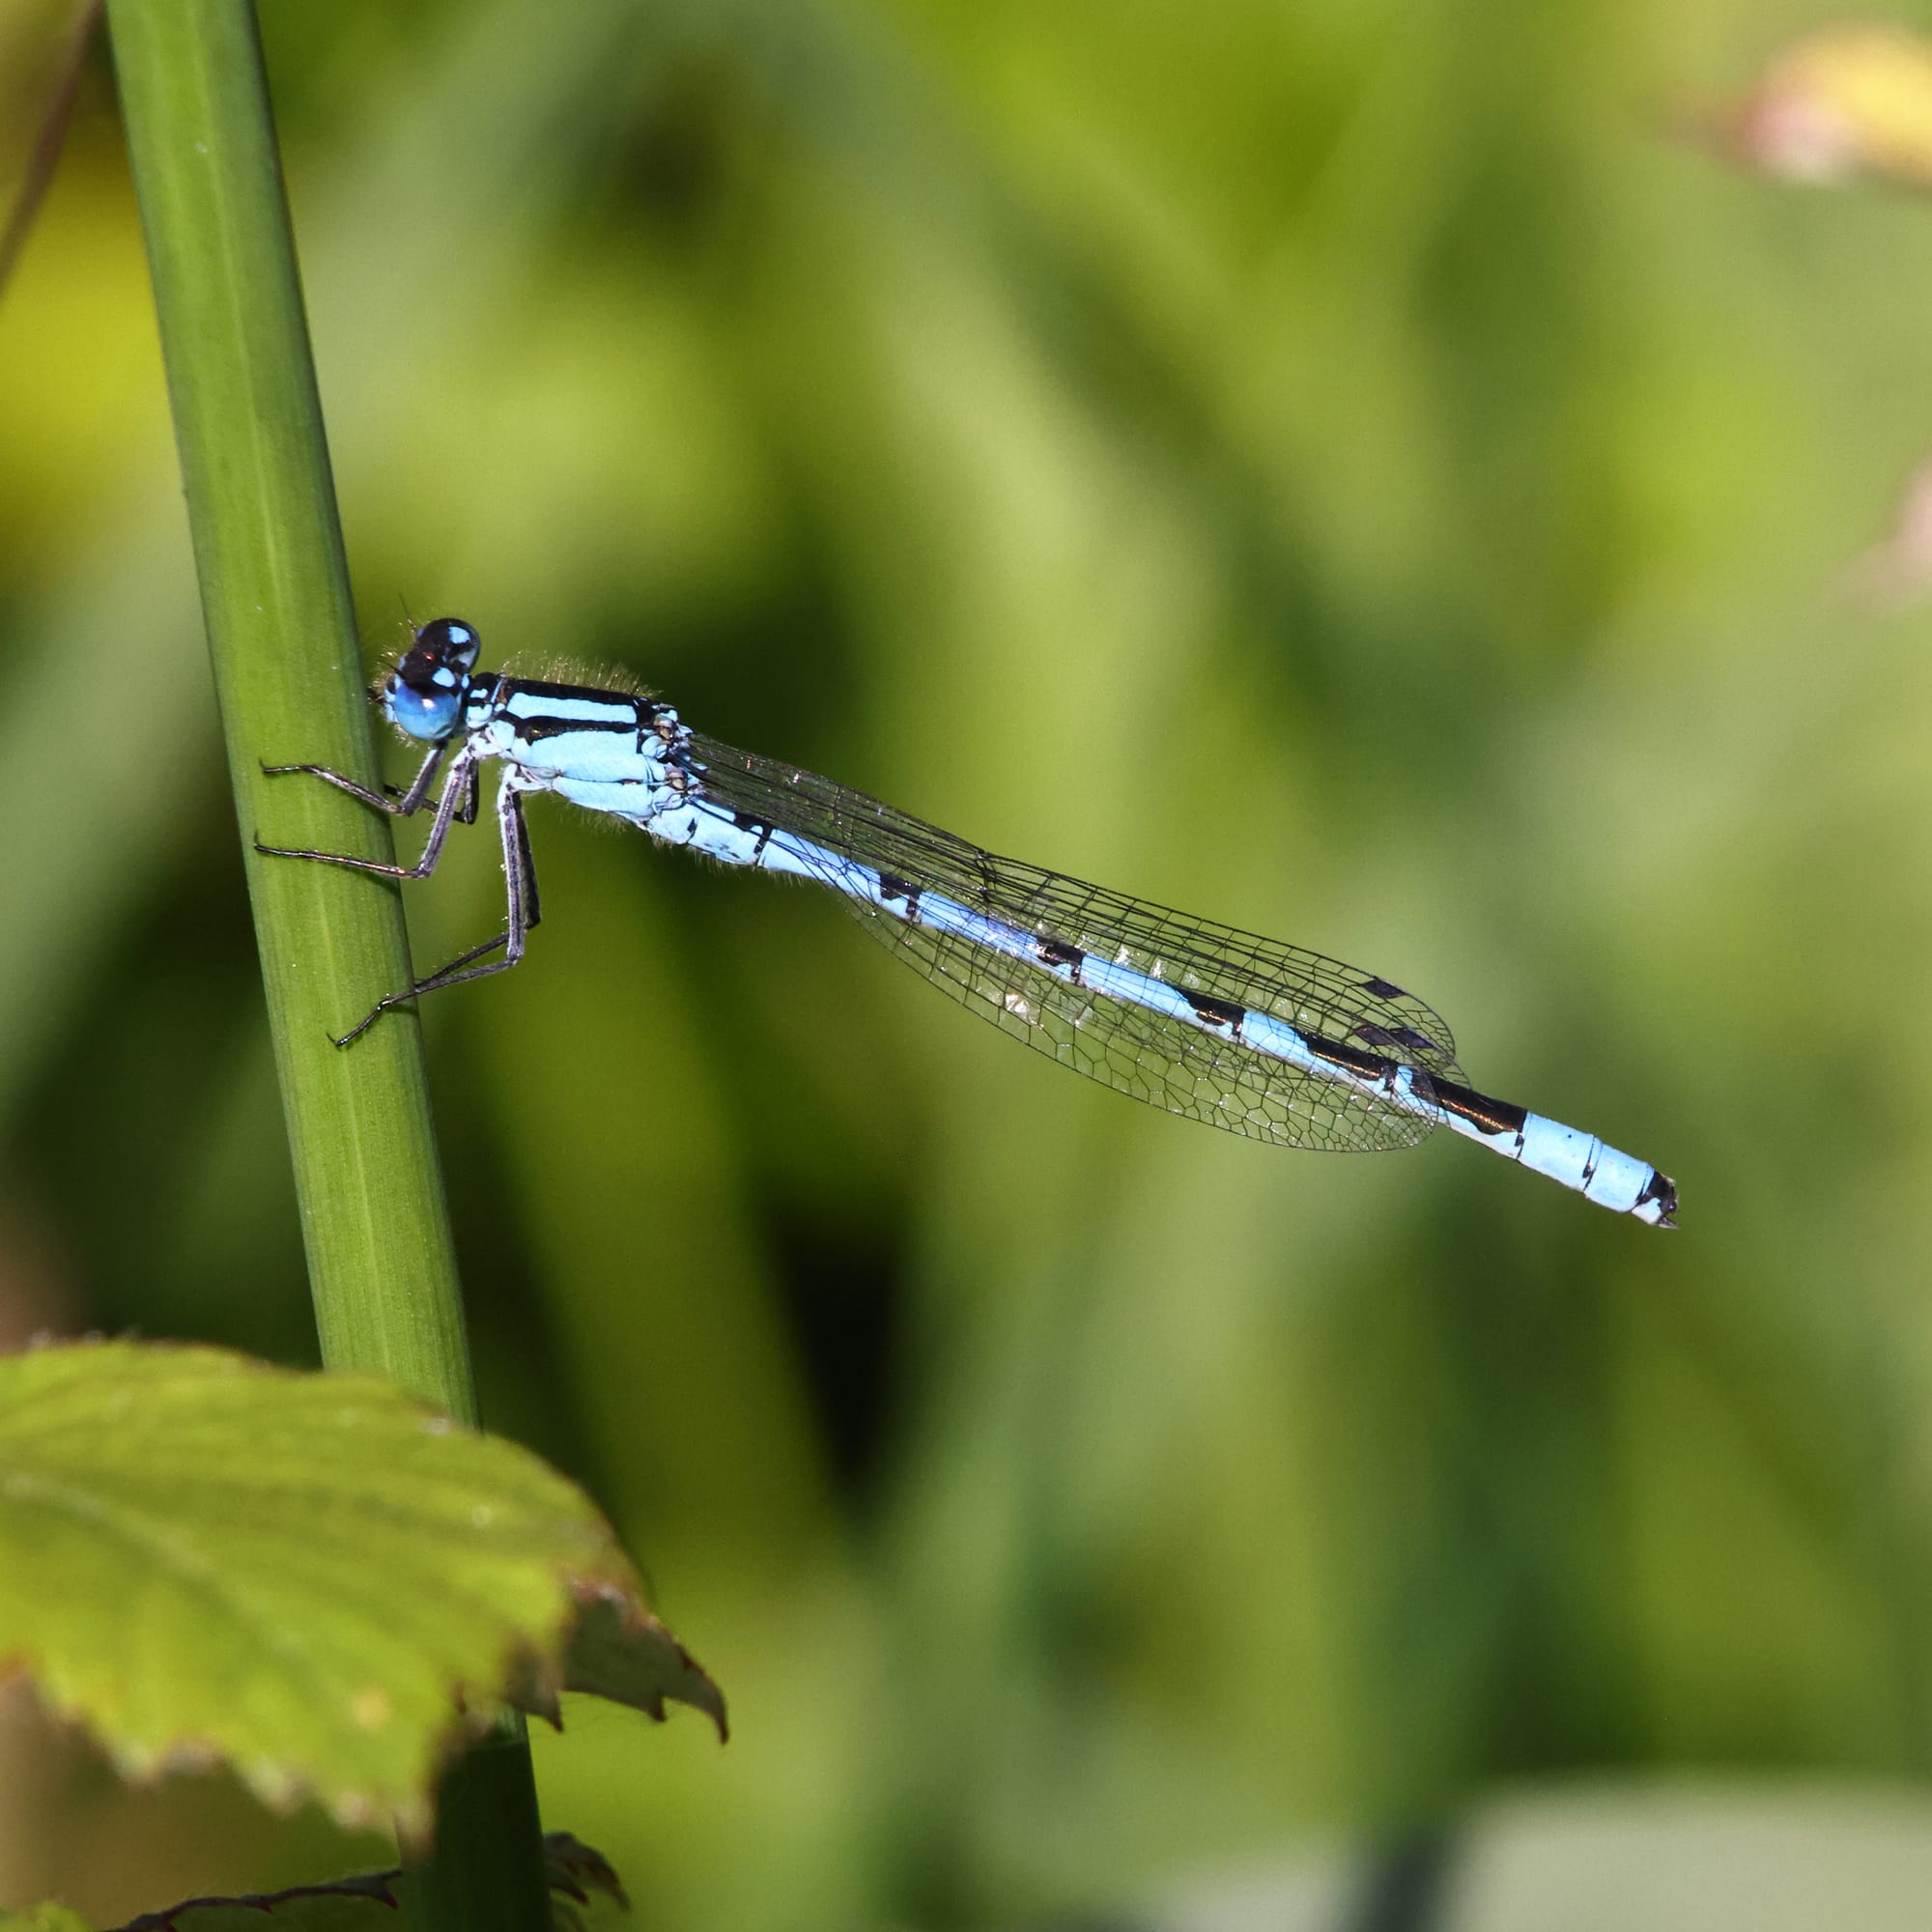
(458, 803)
(523, 914)
(402, 804)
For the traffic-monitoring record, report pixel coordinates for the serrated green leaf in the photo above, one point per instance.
(311, 1578)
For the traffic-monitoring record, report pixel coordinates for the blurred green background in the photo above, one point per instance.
(1343, 467)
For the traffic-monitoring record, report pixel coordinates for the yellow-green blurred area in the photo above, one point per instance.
(1347, 467)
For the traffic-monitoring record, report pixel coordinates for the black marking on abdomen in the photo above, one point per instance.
(1660, 1187)
(1369, 1066)
(1229, 1013)
(893, 887)
(1057, 952)
(1492, 1117)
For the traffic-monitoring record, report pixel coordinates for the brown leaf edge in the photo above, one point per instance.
(620, 1651)
(577, 1871)
(278, 1786)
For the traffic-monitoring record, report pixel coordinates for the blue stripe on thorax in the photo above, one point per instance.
(565, 704)
(597, 748)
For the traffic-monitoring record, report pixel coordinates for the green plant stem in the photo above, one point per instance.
(281, 632)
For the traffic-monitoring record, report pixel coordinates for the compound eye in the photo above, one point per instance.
(450, 640)
(440, 658)
(442, 634)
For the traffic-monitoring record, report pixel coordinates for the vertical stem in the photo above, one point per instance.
(274, 592)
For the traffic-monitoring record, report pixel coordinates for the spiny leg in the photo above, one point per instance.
(521, 877)
(458, 801)
(404, 805)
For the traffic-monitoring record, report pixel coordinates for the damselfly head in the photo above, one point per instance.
(424, 693)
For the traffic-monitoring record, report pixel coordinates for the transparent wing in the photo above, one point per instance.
(1205, 1075)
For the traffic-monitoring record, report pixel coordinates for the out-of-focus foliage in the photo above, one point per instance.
(43, 1918)
(1342, 468)
(1844, 102)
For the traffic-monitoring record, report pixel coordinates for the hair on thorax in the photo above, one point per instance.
(548, 668)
